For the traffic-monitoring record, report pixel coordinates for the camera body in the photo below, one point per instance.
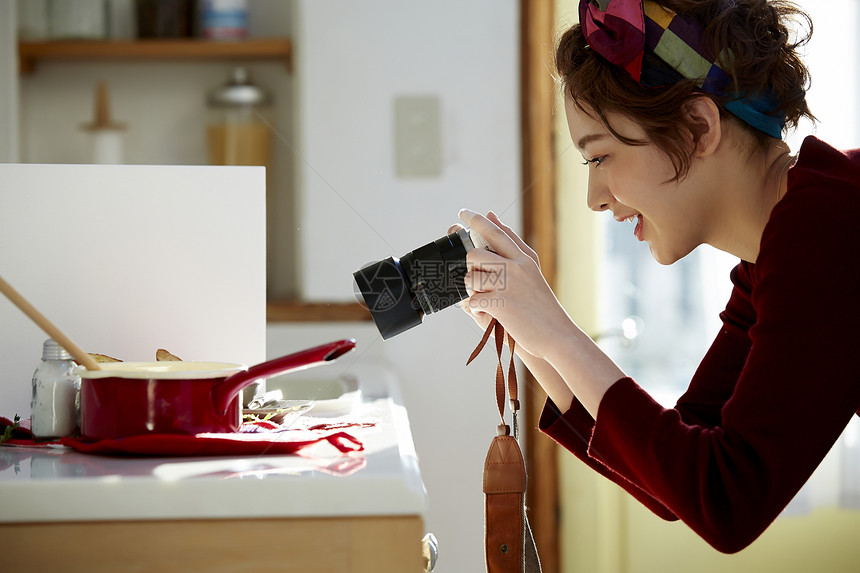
(399, 292)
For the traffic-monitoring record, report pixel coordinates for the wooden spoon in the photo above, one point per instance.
(79, 355)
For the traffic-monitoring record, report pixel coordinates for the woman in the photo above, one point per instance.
(689, 145)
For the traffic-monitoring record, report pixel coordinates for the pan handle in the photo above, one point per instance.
(224, 391)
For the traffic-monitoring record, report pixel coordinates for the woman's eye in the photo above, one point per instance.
(597, 160)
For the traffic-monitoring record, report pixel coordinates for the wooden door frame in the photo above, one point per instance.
(539, 231)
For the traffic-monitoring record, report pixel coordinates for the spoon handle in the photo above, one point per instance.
(79, 355)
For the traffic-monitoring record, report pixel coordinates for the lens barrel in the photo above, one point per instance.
(399, 292)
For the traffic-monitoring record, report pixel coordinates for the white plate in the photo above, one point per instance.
(330, 396)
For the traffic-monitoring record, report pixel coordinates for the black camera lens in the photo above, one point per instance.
(399, 292)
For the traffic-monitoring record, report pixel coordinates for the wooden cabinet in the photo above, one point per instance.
(300, 545)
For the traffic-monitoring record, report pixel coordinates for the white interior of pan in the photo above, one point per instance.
(179, 370)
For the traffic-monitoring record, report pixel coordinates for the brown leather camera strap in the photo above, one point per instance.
(508, 543)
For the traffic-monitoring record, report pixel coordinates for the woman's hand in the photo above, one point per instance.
(480, 317)
(483, 318)
(508, 285)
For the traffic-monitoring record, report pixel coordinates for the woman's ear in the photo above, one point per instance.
(705, 115)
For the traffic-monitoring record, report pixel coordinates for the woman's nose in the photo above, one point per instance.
(599, 197)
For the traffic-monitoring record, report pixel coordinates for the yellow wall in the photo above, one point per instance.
(826, 540)
(603, 529)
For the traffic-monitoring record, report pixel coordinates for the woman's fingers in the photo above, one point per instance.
(496, 237)
(481, 317)
(484, 260)
(486, 272)
(514, 237)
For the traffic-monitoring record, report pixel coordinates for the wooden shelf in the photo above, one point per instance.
(30, 53)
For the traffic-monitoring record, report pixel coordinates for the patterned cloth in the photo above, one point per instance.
(622, 30)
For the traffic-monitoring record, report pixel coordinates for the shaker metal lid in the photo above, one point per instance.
(51, 350)
(238, 91)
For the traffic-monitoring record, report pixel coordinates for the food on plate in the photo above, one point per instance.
(102, 358)
(162, 355)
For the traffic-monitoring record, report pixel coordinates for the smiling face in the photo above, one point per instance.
(635, 181)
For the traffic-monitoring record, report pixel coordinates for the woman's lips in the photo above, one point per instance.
(637, 232)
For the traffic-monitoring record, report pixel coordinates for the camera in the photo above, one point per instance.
(399, 292)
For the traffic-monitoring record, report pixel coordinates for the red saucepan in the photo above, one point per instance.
(133, 398)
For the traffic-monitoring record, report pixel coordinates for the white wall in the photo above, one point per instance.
(352, 60)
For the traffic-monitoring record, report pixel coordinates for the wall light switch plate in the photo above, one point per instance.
(417, 136)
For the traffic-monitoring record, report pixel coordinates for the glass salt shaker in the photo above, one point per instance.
(54, 410)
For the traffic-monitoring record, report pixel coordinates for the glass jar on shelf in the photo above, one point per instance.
(237, 134)
(78, 20)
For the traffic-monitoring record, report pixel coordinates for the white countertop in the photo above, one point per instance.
(59, 484)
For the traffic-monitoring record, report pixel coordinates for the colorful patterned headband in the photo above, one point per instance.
(621, 31)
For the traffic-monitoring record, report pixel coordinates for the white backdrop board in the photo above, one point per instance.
(126, 259)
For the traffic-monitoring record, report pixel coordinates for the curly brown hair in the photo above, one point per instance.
(763, 60)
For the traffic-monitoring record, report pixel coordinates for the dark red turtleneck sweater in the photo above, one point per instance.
(776, 388)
